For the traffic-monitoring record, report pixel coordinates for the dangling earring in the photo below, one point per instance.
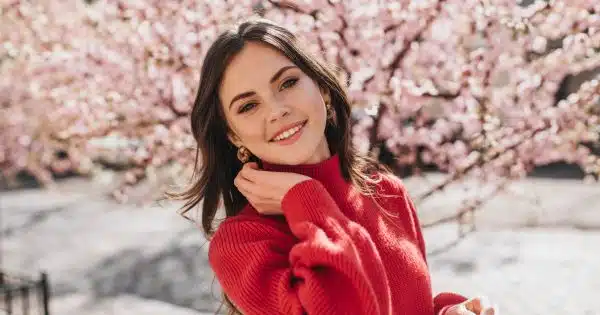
(243, 154)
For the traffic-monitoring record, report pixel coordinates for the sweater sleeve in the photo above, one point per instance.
(333, 267)
(443, 300)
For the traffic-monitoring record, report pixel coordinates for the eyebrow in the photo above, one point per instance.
(273, 79)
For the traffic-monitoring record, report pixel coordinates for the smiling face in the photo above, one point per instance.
(273, 108)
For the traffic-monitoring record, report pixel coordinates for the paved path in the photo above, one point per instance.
(528, 271)
(536, 249)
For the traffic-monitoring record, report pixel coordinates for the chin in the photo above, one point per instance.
(291, 157)
(298, 159)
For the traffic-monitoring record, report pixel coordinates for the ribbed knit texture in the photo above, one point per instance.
(334, 251)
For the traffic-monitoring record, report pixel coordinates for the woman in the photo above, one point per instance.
(312, 227)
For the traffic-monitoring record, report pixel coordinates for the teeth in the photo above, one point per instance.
(288, 133)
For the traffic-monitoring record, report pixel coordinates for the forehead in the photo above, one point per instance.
(251, 67)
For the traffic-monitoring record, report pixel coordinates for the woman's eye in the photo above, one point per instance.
(247, 107)
(289, 83)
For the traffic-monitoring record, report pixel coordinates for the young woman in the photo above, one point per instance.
(312, 227)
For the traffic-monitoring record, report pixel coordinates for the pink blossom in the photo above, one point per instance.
(114, 81)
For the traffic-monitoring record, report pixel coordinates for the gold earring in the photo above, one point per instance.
(243, 154)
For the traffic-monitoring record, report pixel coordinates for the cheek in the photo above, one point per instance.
(309, 97)
(249, 130)
(317, 109)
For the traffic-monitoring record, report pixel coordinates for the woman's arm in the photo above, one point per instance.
(333, 266)
(444, 300)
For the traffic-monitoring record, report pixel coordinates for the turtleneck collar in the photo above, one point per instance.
(327, 172)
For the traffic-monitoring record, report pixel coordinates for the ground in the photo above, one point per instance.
(534, 250)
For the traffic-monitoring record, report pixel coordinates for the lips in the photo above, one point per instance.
(286, 128)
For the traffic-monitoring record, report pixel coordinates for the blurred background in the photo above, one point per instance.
(488, 110)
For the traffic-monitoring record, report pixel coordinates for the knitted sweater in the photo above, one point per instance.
(333, 251)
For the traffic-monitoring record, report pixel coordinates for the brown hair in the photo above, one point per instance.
(216, 160)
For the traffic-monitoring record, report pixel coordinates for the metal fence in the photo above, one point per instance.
(21, 295)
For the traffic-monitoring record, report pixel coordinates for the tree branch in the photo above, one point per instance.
(477, 163)
(395, 63)
(470, 209)
(287, 5)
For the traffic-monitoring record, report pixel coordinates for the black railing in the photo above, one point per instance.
(21, 295)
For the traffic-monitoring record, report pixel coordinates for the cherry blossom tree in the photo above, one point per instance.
(472, 87)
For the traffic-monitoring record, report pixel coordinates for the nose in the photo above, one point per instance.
(278, 110)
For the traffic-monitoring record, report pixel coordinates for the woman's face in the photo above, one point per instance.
(273, 108)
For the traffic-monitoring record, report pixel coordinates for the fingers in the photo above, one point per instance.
(490, 311)
(463, 310)
(252, 198)
(251, 172)
(474, 304)
(262, 204)
(243, 185)
(251, 190)
(481, 305)
(246, 187)
(459, 309)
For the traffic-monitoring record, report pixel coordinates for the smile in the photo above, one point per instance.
(290, 134)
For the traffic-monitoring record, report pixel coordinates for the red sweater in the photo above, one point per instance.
(334, 251)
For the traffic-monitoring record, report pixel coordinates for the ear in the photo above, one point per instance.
(326, 94)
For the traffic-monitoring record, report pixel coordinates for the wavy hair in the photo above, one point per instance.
(216, 162)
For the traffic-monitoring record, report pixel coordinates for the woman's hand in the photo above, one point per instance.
(477, 306)
(265, 190)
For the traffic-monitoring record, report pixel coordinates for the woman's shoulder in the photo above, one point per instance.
(388, 183)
